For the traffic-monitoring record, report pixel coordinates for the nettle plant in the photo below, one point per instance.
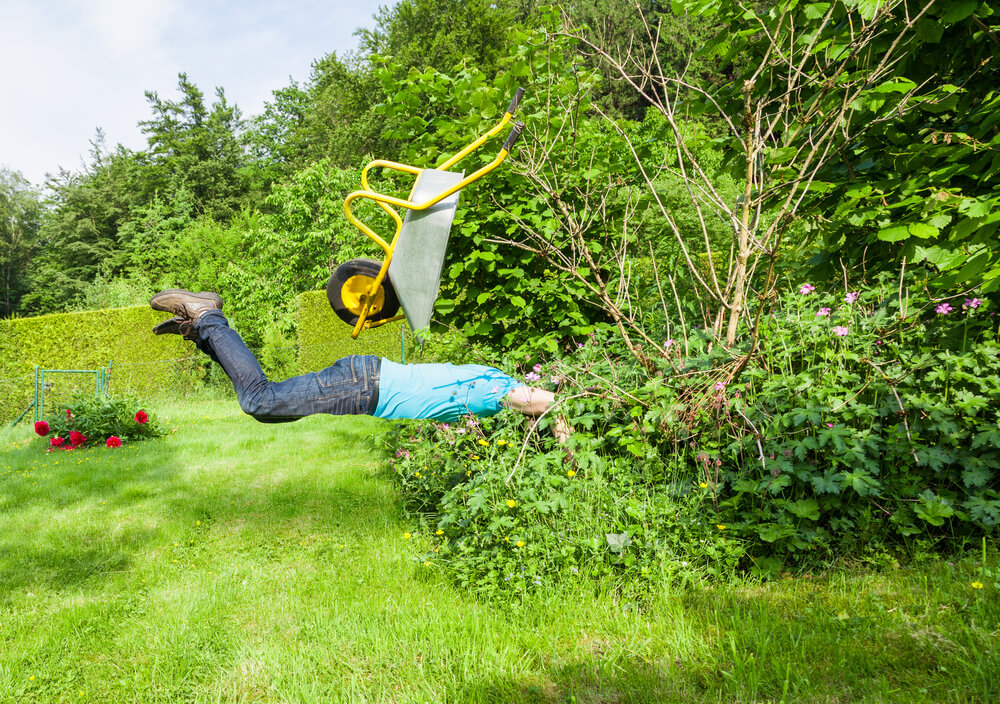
(870, 419)
(90, 420)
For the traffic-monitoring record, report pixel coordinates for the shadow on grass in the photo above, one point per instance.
(624, 681)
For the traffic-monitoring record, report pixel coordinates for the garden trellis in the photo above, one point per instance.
(63, 385)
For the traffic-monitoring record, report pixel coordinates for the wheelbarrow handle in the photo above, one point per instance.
(512, 137)
(512, 108)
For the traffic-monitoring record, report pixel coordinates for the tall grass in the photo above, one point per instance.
(239, 562)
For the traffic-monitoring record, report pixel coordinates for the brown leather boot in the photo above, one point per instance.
(185, 304)
(176, 326)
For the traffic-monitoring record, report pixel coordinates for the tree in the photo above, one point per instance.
(20, 215)
(925, 184)
(788, 115)
(196, 149)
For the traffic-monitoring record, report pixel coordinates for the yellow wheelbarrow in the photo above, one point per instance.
(366, 294)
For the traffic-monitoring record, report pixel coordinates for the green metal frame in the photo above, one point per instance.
(102, 378)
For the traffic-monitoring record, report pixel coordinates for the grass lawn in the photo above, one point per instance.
(240, 562)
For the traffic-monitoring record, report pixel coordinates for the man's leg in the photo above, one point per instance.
(348, 387)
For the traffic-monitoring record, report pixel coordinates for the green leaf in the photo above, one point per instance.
(976, 476)
(805, 508)
(816, 10)
(771, 532)
(894, 233)
(957, 10)
(922, 230)
(617, 542)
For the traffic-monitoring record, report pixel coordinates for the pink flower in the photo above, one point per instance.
(56, 441)
(537, 369)
(114, 441)
(141, 417)
(840, 331)
(668, 344)
(944, 309)
(531, 376)
(851, 296)
(555, 380)
(42, 428)
(807, 288)
(829, 425)
(720, 386)
(971, 303)
(77, 438)
(823, 311)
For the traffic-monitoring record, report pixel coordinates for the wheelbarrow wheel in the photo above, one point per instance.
(349, 285)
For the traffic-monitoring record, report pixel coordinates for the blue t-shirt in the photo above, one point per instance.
(443, 392)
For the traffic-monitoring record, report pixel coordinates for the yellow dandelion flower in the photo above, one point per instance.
(511, 503)
(703, 485)
(197, 523)
(406, 536)
(482, 442)
(475, 457)
(721, 527)
(506, 539)
(427, 564)
(32, 677)
(570, 473)
(468, 473)
(416, 474)
(977, 585)
(439, 532)
(520, 543)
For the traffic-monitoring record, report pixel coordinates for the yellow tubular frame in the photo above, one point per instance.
(388, 203)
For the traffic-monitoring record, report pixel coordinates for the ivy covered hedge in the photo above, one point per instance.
(142, 362)
(323, 338)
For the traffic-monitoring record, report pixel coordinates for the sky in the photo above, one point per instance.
(70, 67)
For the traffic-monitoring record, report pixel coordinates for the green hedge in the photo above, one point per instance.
(147, 364)
(324, 338)
(143, 363)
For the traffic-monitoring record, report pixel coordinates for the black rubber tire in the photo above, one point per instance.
(350, 269)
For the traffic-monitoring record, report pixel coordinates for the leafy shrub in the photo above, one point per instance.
(860, 426)
(98, 420)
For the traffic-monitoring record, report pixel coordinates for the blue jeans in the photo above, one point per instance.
(349, 387)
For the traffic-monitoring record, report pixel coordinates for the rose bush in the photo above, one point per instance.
(115, 420)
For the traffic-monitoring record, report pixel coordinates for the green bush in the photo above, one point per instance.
(861, 427)
(95, 420)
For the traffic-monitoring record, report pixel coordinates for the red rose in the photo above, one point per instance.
(42, 428)
(68, 415)
(141, 417)
(77, 438)
(56, 442)
(114, 441)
